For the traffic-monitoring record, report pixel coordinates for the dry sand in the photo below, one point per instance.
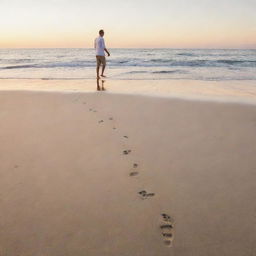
(66, 186)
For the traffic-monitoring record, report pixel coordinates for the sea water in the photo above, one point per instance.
(130, 64)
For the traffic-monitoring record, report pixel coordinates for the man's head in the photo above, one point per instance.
(101, 32)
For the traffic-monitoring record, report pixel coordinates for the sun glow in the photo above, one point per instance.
(163, 23)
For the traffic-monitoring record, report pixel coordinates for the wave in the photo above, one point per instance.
(192, 63)
(123, 61)
(15, 61)
(19, 66)
(234, 62)
(169, 72)
(137, 72)
(160, 60)
(54, 65)
(206, 63)
(131, 62)
(157, 72)
(186, 54)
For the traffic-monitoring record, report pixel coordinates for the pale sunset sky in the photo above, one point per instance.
(128, 23)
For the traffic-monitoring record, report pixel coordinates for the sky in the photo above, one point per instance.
(128, 23)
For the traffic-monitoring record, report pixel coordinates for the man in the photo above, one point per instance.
(99, 45)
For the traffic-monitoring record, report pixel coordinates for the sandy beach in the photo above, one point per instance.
(102, 174)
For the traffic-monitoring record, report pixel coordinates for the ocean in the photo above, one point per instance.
(130, 64)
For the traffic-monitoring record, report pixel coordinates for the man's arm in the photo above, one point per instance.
(104, 46)
(105, 49)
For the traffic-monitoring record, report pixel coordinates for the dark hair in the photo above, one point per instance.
(101, 31)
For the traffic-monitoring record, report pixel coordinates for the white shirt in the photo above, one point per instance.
(99, 45)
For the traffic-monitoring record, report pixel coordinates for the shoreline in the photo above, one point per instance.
(243, 92)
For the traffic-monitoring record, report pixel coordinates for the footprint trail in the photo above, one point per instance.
(167, 229)
(167, 223)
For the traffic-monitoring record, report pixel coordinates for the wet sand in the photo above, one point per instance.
(107, 174)
(221, 91)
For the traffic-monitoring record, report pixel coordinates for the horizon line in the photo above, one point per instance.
(174, 48)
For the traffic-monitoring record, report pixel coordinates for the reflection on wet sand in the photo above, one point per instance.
(231, 91)
(100, 88)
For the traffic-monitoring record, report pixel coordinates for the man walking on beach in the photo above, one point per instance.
(99, 45)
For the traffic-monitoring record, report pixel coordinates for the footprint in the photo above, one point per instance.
(167, 235)
(167, 228)
(90, 109)
(144, 194)
(114, 128)
(134, 174)
(126, 137)
(168, 243)
(126, 152)
(166, 217)
(95, 111)
(111, 118)
(101, 121)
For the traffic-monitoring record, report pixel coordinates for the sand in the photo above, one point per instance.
(105, 174)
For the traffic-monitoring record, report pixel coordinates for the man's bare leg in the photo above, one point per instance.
(103, 69)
